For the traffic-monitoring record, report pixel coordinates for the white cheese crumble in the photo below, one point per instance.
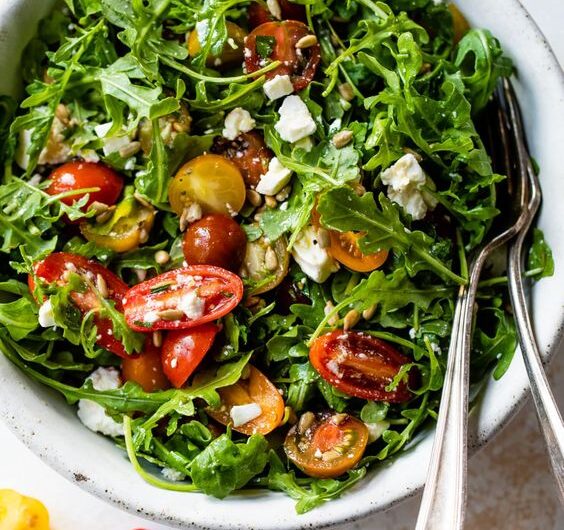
(314, 260)
(172, 474)
(405, 180)
(193, 212)
(274, 8)
(375, 430)
(236, 122)
(278, 87)
(295, 120)
(192, 305)
(93, 415)
(275, 179)
(111, 144)
(241, 414)
(46, 317)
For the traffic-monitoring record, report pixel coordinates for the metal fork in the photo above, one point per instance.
(444, 497)
(547, 411)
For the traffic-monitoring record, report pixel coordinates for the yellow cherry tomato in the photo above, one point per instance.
(232, 52)
(460, 23)
(18, 512)
(212, 181)
(127, 227)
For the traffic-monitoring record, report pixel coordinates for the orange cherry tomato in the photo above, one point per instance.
(80, 175)
(360, 365)
(184, 350)
(212, 181)
(345, 249)
(232, 52)
(326, 444)
(256, 388)
(146, 370)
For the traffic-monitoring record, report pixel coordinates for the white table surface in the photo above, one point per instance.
(510, 486)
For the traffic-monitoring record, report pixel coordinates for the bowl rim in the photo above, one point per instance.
(33, 440)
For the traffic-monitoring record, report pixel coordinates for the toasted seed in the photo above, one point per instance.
(329, 306)
(329, 456)
(342, 139)
(132, 148)
(367, 314)
(351, 319)
(141, 200)
(99, 207)
(157, 339)
(305, 422)
(254, 198)
(162, 257)
(170, 314)
(346, 91)
(62, 112)
(143, 235)
(323, 238)
(106, 215)
(140, 273)
(270, 259)
(306, 42)
(339, 418)
(270, 201)
(283, 194)
(102, 286)
(358, 188)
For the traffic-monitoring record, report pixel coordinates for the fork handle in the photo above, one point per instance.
(547, 410)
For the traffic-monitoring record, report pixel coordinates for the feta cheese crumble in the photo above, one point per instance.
(275, 179)
(113, 143)
(314, 260)
(172, 474)
(236, 122)
(93, 415)
(46, 317)
(192, 305)
(241, 414)
(295, 120)
(404, 180)
(375, 430)
(278, 87)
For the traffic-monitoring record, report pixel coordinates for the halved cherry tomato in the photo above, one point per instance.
(326, 444)
(18, 512)
(182, 298)
(345, 249)
(80, 175)
(248, 152)
(232, 52)
(212, 181)
(184, 350)
(299, 64)
(258, 14)
(146, 370)
(215, 240)
(128, 226)
(360, 365)
(256, 388)
(53, 269)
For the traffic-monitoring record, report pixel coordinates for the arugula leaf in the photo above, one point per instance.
(265, 46)
(540, 263)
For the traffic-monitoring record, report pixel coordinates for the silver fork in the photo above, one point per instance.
(444, 497)
(547, 411)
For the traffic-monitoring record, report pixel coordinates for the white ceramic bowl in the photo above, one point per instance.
(50, 428)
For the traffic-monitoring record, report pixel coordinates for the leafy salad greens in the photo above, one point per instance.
(354, 220)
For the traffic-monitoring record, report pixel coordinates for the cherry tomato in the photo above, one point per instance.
(345, 249)
(232, 52)
(53, 270)
(146, 370)
(326, 444)
(210, 180)
(258, 14)
(79, 175)
(248, 152)
(184, 350)
(299, 64)
(182, 298)
(360, 365)
(128, 226)
(18, 512)
(256, 388)
(215, 240)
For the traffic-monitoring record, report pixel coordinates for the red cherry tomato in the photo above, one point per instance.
(248, 152)
(182, 298)
(52, 270)
(184, 350)
(146, 370)
(79, 175)
(258, 14)
(299, 64)
(215, 240)
(360, 365)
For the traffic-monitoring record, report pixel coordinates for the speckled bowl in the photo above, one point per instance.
(50, 428)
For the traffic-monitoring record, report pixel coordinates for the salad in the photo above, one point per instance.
(234, 230)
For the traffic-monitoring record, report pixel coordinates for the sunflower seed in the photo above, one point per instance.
(346, 91)
(143, 236)
(170, 314)
(342, 139)
(157, 339)
(254, 198)
(270, 201)
(305, 422)
(351, 319)
(132, 148)
(102, 286)
(162, 257)
(306, 42)
(106, 215)
(367, 314)
(142, 201)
